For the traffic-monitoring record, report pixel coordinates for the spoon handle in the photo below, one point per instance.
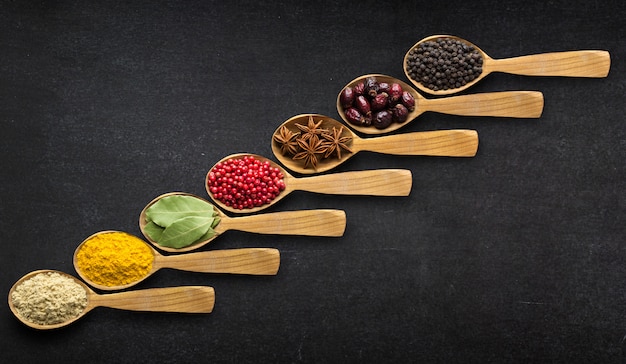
(592, 63)
(515, 104)
(441, 143)
(257, 261)
(302, 222)
(382, 182)
(188, 299)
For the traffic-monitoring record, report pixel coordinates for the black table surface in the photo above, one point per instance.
(515, 255)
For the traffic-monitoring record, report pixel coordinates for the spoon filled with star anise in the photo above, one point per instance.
(313, 143)
(245, 183)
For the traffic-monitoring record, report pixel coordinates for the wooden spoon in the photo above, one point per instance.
(382, 182)
(185, 299)
(254, 261)
(442, 143)
(583, 63)
(513, 104)
(330, 223)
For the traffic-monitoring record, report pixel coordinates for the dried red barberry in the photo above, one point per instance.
(395, 92)
(383, 87)
(408, 100)
(354, 116)
(379, 102)
(399, 113)
(363, 105)
(346, 98)
(371, 86)
(382, 119)
(359, 88)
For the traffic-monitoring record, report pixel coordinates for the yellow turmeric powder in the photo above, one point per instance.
(114, 258)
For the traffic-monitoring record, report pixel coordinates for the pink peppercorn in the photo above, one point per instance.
(245, 182)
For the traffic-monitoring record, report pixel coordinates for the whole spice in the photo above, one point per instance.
(287, 140)
(335, 142)
(371, 86)
(354, 116)
(359, 88)
(347, 97)
(311, 129)
(311, 147)
(247, 182)
(384, 87)
(381, 104)
(395, 92)
(49, 298)
(315, 141)
(114, 258)
(363, 105)
(379, 101)
(408, 100)
(399, 113)
(444, 63)
(382, 119)
(178, 221)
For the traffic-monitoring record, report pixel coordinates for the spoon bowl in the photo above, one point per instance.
(324, 222)
(513, 104)
(184, 299)
(441, 143)
(253, 261)
(383, 182)
(582, 63)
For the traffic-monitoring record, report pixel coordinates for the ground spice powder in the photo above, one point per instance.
(49, 298)
(114, 259)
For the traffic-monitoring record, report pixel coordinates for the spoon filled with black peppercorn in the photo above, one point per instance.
(377, 104)
(313, 143)
(244, 183)
(446, 64)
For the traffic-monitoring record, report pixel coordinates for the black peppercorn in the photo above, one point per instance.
(444, 63)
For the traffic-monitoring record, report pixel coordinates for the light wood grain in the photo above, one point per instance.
(578, 63)
(254, 261)
(437, 143)
(441, 143)
(321, 222)
(184, 299)
(380, 182)
(383, 182)
(512, 104)
(187, 299)
(584, 63)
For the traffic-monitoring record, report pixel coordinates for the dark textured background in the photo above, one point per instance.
(516, 255)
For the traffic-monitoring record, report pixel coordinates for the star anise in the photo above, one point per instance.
(310, 148)
(335, 142)
(310, 129)
(287, 140)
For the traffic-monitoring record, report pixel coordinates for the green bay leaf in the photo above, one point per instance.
(153, 231)
(208, 235)
(184, 232)
(169, 209)
(216, 221)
